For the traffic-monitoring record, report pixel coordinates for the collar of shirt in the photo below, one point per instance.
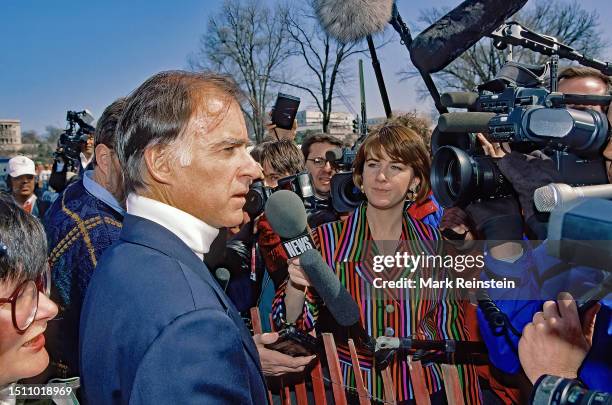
(100, 192)
(84, 160)
(28, 205)
(195, 233)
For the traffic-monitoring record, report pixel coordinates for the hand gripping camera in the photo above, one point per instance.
(518, 109)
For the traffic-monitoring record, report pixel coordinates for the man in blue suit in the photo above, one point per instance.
(155, 326)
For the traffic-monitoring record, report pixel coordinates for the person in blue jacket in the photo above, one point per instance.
(538, 276)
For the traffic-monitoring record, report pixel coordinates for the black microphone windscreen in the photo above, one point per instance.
(465, 122)
(443, 41)
(337, 299)
(286, 214)
(222, 274)
(353, 20)
(459, 99)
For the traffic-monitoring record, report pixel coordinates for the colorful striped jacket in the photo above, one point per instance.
(434, 314)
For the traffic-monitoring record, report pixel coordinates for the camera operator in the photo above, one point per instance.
(87, 153)
(253, 282)
(537, 274)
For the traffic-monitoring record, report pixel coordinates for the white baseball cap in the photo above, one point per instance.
(20, 165)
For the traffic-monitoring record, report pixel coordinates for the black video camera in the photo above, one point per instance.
(528, 118)
(259, 193)
(345, 195)
(70, 141)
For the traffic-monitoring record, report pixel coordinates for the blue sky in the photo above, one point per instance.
(60, 55)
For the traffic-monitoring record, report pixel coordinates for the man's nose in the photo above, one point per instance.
(251, 168)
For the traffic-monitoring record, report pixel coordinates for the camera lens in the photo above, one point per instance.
(458, 179)
(255, 199)
(453, 178)
(345, 196)
(461, 140)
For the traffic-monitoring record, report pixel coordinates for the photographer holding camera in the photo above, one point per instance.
(249, 279)
(75, 150)
(537, 274)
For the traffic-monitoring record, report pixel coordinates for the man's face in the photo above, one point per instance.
(213, 187)
(23, 186)
(88, 147)
(321, 175)
(591, 86)
(271, 176)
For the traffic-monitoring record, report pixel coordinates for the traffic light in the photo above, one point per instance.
(356, 125)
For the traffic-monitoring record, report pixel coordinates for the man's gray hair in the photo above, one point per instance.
(159, 111)
(23, 254)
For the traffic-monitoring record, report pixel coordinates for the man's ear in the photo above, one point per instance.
(157, 158)
(103, 156)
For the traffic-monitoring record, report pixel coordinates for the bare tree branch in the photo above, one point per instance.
(324, 57)
(248, 41)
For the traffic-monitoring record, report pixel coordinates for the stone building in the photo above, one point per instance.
(10, 132)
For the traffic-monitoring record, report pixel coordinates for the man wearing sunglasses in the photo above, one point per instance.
(81, 224)
(25, 307)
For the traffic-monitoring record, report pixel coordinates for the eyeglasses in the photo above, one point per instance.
(320, 162)
(24, 300)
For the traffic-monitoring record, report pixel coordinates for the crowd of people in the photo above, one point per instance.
(127, 253)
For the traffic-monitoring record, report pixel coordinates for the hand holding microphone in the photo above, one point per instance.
(297, 276)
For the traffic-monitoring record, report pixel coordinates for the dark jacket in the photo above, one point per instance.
(157, 328)
(79, 227)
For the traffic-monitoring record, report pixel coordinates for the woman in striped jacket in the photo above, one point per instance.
(392, 170)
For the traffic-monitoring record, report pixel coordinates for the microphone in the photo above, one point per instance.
(223, 276)
(465, 122)
(459, 99)
(443, 41)
(353, 20)
(287, 216)
(560, 195)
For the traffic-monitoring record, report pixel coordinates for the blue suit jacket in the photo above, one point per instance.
(156, 328)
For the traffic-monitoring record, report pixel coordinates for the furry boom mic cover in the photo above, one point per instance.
(353, 20)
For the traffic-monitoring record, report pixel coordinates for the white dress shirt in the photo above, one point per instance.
(195, 233)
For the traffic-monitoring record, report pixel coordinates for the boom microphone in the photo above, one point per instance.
(353, 20)
(443, 41)
(287, 216)
(465, 122)
(560, 195)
